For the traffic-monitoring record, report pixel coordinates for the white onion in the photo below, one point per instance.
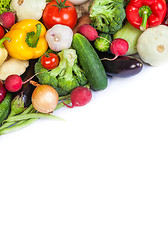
(59, 37)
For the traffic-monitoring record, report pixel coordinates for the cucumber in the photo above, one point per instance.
(90, 62)
(5, 107)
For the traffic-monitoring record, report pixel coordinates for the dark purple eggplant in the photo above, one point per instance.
(27, 91)
(27, 88)
(123, 66)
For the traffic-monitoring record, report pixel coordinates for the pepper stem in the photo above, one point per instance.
(33, 37)
(144, 12)
(4, 39)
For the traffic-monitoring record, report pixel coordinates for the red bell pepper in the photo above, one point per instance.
(145, 13)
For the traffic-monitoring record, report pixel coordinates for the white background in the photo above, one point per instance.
(101, 175)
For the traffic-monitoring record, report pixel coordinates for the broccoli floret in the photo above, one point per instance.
(80, 75)
(68, 81)
(43, 75)
(4, 6)
(107, 16)
(64, 78)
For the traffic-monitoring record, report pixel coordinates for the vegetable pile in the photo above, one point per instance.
(55, 53)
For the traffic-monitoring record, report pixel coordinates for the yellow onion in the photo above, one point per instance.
(44, 98)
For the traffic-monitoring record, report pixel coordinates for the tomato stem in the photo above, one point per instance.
(60, 4)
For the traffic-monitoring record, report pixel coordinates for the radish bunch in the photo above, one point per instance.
(118, 46)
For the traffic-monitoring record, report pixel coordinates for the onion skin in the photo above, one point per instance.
(45, 98)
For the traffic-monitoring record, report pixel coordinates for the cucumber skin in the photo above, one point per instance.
(5, 107)
(90, 62)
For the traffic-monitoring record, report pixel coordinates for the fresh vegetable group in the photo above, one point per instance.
(53, 54)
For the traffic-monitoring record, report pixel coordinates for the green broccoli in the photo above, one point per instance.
(4, 6)
(107, 16)
(64, 78)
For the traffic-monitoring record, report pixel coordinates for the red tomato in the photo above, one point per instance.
(49, 61)
(62, 12)
(2, 32)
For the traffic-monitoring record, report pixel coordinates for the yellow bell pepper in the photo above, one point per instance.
(27, 40)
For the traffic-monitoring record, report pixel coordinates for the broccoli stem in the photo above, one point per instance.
(68, 72)
(56, 71)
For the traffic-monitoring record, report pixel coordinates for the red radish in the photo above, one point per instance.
(2, 92)
(1, 83)
(2, 32)
(7, 19)
(13, 83)
(88, 31)
(119, 47)
(80, 96)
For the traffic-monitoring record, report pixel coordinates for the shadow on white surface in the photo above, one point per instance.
(102, 174)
